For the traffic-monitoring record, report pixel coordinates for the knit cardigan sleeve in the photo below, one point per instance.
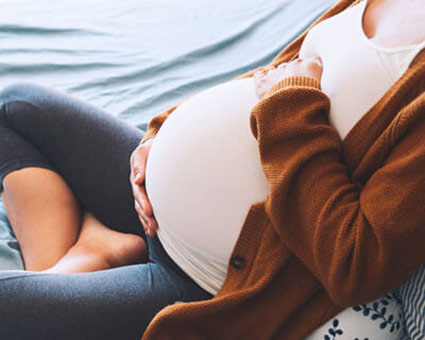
(360, 242)
(156, 122)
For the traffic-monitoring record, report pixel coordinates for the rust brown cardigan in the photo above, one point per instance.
(343, 224)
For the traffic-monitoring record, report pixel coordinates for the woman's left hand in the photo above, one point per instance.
(309, 67)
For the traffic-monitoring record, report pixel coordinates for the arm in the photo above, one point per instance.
(289, 53)
(138, 161)
(358, 240)
(157, 121)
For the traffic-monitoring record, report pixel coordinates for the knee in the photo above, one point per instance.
(25, 92)
(21, 101)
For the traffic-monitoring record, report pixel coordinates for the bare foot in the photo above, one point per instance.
(99, 247)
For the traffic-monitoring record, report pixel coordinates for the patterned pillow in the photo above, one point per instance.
(412, 295)
(381, 319)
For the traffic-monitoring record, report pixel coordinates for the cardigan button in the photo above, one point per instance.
(237, 262)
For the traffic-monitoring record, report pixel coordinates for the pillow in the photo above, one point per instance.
(381, 319)
(412, 295)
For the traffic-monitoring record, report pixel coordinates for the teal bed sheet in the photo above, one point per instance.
(135, 58)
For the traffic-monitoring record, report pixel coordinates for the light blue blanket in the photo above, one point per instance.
(135, 58)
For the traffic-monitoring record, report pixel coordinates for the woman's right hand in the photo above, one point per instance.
(142, 205)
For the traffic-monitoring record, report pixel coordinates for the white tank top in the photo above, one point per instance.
(202, 175)
(356, 71)
(204, 171)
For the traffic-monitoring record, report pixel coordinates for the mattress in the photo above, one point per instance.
(136, 58)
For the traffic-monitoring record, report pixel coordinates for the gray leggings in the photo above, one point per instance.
(90, 149)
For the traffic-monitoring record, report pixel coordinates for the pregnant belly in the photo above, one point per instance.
(203, 173)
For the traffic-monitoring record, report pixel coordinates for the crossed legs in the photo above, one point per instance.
(53, 232)
(56, 230)
(64, 171)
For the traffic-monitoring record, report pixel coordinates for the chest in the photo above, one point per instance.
(356, 72)
(394, 23)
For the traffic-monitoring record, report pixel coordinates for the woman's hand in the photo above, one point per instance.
(137, 179)
(264, 80)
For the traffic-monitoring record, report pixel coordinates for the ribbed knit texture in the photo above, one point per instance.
(343, 223)
(412, 294)
(293, 81)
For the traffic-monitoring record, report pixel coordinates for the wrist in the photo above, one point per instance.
(148, 140)
(293, 81)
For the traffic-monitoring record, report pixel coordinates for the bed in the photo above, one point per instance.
(136, 58)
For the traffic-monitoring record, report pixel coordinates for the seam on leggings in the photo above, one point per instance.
(4, 109)
(20, 164)
(9, 278)
(7, 103)
(24, 162)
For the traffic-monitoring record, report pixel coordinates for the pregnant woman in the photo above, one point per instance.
(268, 203)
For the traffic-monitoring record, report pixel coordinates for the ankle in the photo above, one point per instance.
(131, 249)
(81, 258)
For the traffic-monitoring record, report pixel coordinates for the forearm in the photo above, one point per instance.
(157, 121)
(289, 53)
(337, 228)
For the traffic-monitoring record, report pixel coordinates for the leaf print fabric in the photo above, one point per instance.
(381, 319)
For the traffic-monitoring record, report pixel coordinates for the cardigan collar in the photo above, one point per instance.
(373, 123)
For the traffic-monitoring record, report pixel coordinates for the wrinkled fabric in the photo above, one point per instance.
(135, 58)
